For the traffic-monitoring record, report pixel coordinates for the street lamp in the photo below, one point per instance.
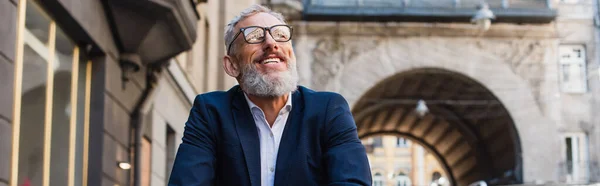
(483, 17)
(421, 108)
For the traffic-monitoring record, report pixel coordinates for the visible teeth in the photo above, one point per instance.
(271, 60)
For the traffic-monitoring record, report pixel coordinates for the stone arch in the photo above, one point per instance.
(469, 147)
(359, 64)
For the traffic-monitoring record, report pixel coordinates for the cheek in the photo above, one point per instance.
(246, 57)
(288, 50)
(291, 54)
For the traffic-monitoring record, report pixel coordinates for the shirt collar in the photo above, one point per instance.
(286, 108)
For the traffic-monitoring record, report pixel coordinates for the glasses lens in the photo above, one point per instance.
(254, 34)
(281, 33)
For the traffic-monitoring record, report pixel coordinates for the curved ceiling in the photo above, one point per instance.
(467, 127)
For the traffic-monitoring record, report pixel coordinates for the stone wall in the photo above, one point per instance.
(8, 30)
(170, 109)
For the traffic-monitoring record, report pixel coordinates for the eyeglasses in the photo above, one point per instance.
(256, 34)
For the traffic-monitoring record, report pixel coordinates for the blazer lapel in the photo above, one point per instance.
(248, 135)
(289, 140)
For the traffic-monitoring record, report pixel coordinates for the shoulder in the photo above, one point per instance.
(210, 98)
(215, 98)
(322, 97)
(309, 93)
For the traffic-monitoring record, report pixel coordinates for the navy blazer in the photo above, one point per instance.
(319, 146)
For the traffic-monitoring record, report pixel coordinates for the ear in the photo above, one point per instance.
(230, 67)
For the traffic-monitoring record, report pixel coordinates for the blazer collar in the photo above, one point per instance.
(248, 133)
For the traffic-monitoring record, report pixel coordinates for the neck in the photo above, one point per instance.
(269, 105)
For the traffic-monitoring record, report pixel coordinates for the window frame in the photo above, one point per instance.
(402, 179)
(570, 86)
(378, 179)
(48, 52)
(579, 154)
(404, 144)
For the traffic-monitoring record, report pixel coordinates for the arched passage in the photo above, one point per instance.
(467, 127)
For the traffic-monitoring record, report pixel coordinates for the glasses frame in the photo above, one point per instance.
(265, 29)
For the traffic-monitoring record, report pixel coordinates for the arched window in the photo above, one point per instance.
(403, 180)
(401, 142)
(378, 179)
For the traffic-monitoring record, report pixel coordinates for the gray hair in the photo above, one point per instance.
(254, 9)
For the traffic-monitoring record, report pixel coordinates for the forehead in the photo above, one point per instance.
(259, 19)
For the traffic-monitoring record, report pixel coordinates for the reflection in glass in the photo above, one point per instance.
(61, 110)
(39, 37)
(31, 142)
(37, 22)
(35, 56)
(79, 134)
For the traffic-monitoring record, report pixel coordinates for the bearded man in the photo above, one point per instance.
(268, 130)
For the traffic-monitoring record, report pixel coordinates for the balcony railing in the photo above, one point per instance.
(518, 11)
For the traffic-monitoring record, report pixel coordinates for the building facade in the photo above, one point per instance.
(78, 79)
(397, 161)
(92, 87)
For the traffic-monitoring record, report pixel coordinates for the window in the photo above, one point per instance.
(403, 180)
(401, 142)
(572, 61)
(171, 150)
(378, 179)
(51, 103)
(377, 141)
(575, 157)
(206, 61)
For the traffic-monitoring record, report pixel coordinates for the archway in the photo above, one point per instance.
(466, 126)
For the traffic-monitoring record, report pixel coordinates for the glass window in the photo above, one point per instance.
(572, 61)
(206, 58)
(82, 113)
(33, 96)
(403, 180)
(569, 154)
(401, 142)
(378, 179)
(61, 109)
(576, 157)
(51, 131)
(171, 150)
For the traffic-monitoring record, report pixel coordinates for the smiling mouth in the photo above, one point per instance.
(270, 61)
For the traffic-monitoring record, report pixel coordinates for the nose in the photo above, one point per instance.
(270, 44)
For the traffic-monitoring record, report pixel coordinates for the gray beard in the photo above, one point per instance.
(263, 85)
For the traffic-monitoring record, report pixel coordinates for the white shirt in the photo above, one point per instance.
(269, 138)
